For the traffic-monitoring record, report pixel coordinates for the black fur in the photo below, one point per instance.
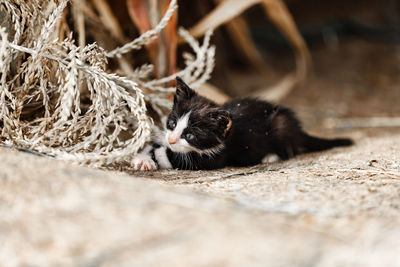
(248, 128)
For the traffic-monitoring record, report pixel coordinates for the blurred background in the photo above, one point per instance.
(328, 60)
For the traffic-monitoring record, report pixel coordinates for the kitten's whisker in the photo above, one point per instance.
(210, 152)
(184, 160)
(190, 159)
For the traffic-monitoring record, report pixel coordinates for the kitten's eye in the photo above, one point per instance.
(171, 124)
(189, 136)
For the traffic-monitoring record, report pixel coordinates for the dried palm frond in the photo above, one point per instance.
(280, 16)
(59, 98)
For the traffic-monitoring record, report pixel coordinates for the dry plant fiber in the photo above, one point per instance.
(59, 98)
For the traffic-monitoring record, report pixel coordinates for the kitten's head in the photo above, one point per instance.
(196, 123)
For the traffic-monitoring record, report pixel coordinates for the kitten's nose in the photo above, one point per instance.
(172, 140)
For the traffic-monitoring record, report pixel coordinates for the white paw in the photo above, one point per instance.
(143, 163)
(271, 158)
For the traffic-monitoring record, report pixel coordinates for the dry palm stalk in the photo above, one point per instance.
(278, 13)
(238, 30)
(280, 16)
(111, 23)
(108, 19)
(162, 51)
(210, 91)
(170, 40)
(79, 21)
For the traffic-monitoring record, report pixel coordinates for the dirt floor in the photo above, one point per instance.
(338, 208)
(334, 208)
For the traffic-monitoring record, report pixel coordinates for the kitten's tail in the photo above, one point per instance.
(314, 144)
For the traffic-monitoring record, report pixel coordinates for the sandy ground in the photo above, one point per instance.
(337, 208)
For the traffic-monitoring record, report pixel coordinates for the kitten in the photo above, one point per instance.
(201, 135)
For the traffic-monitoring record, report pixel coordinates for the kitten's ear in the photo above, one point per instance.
(224, 121)
(183, 90)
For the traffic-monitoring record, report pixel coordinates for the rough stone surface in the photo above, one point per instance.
(337, 208)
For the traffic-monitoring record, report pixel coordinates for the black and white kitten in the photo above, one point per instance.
(201, 135)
